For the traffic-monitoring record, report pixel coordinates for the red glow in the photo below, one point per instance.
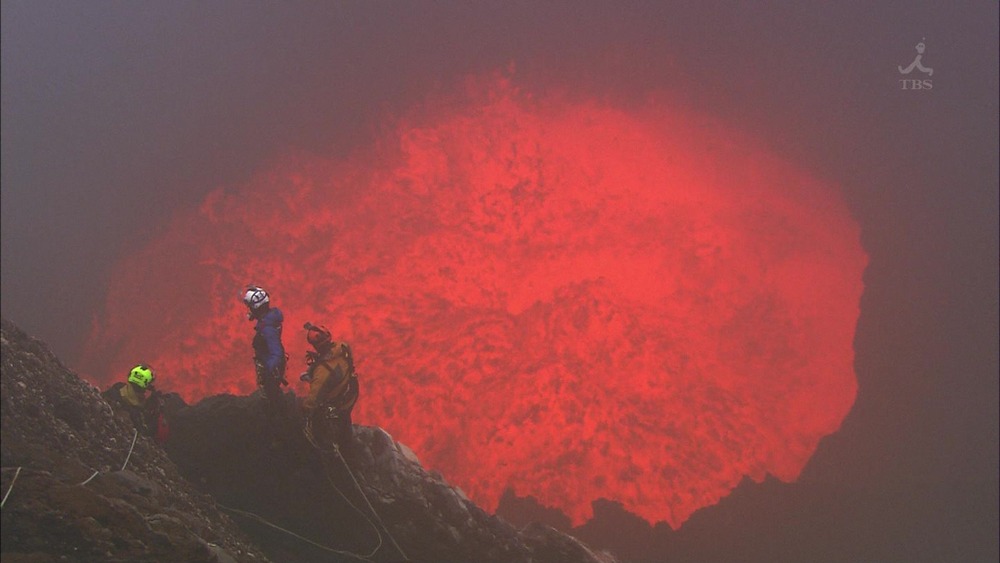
(570, 299)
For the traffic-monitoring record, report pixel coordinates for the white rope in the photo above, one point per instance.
(130, 449)
(11, 488)
(96, 473)
(89, 479)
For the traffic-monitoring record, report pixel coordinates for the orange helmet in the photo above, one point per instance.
(317, 336)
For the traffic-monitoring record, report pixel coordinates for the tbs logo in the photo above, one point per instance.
(913, 83)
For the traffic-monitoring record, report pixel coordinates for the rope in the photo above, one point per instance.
(89, 479)
(11, 488)
(96, 473)
(308, 431)
(134, 437)
(234, 510)
(336, 450)
(293, 534)
(262, 520)
(309, 436)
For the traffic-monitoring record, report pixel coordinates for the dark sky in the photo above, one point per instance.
(115, 114)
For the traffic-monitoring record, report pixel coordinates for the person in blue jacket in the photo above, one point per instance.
(269, 353)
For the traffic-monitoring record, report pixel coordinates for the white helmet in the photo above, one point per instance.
(255, 298)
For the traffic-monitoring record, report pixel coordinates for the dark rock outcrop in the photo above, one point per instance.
(232, 485)
(375, 500)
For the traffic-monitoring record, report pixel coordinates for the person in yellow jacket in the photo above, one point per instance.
(143, 403)
(333, 387)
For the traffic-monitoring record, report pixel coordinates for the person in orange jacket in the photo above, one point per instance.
(333, 387)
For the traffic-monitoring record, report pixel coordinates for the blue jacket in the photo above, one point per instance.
(267, 345)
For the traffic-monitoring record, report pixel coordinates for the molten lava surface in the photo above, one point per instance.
(570, 299)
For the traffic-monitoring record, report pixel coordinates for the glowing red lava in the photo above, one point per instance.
(562, 297)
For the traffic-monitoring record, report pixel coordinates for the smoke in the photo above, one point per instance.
(557, 295)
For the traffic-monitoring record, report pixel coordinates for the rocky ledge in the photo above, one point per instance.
(230, 485)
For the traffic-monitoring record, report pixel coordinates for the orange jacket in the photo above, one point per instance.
(334, 382)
